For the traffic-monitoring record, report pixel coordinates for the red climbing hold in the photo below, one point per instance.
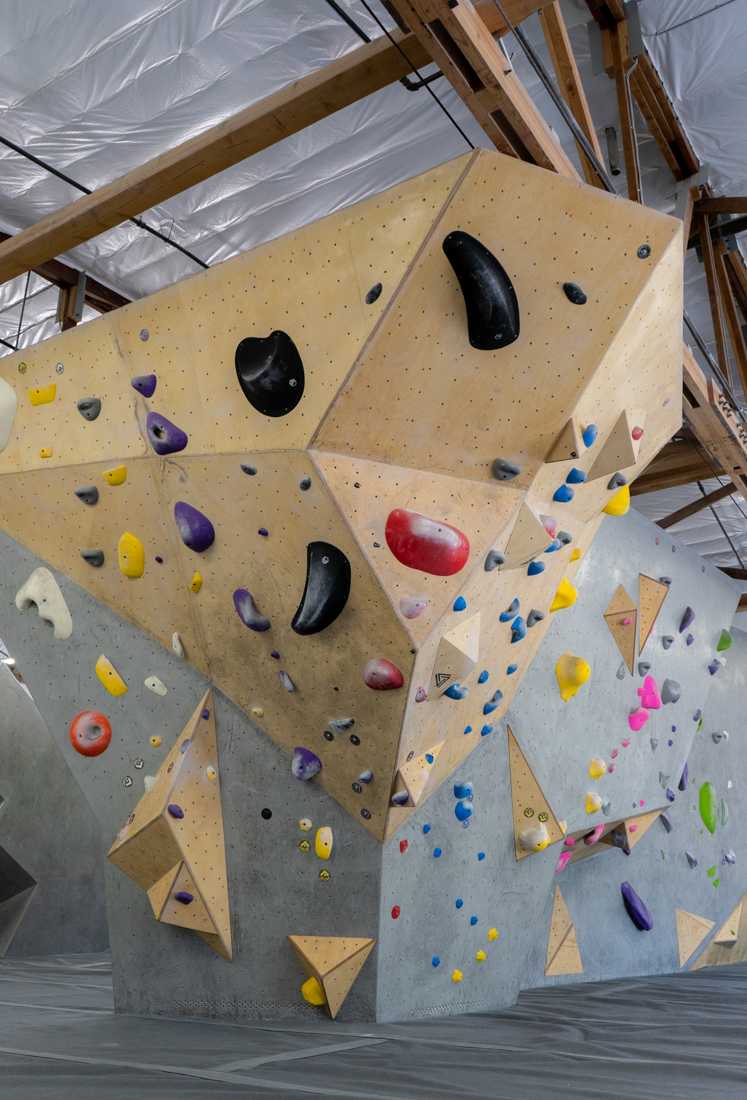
(426, 544)
(382, 675)
(90, 733)
(395, 912)
(637, 433)
(403, 846)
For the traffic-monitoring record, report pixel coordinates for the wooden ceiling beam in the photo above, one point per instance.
(714, 295)
(723, 205)
(697, 506)
(620, 66)
(678, 463)
(737, 269)
(98, 296)
(731, 316)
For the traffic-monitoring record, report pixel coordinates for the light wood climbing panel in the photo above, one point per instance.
(335, 961)
(691, 931)
(729, 945)
(651, 597)
(563, 955)
(529, 805)
(621, 617)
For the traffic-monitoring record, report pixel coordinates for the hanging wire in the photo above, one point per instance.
(23, 307)
(724, 532)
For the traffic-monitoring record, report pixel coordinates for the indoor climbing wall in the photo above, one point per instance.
(469, 918)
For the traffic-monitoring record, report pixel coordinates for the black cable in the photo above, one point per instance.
(23, 307)
(724, 532)
(346, 18)
(692, 19)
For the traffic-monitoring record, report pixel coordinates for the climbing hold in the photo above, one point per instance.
(724, 642)
(421, 695)
(637, 719)
(382, 675)
(670, 691)
(564, 538)
(493, 703)
(534, 568)
(342, 725)
(593, 802)
(463, 790)
(510, 611)
(707, 806)
(373, 294)
(184, 897)
(483, 677)
(617, 481)
(480, 956)
(591, 838)
(649, 694)
(89, 494)
(729, 857)
(116, 476)
(313, 992)
(688, 615)
(563, 495)
(714, 666)
(305, 763)
(637, 433)
(366, 776)
(493, 935)
(93, 557)
(535, 617)
(667, 824)
(195, 529)
(286, 681)
(511, 669)
(175, 811)
(156, 686)
(456, 691)
(683, 778)
(534, 838)
(165, 438)
(144, 384)
(42, 591)
(456, 976)
(326, 590)
(489, 296)
(248, 611)
(270, 372)
(460, 604)
(589, 435)
(667, 641)
(644, 667)
(503, 470)
(492, 560)
(45, 452)
(247, 469)
(550, 524)
(597, 767)
(176, 644)
(718, 736)
(565, 596)
(486, 730)
(670, 794)
(109, 676)
(571, 673)
(412, 606)
(691, 859)
(575, 476)
(8, 406)
(619, 504)
(89, 407)
(90, 733)
(130, 555)
(689, 639)
(575, 294)
(196, 583)
(636, 909)
(323, 841)
(422, 543)
(575, 554)
(518, 630)
(43, 395)
(463, 810)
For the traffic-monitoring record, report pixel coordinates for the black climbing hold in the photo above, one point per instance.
(665, 822)
(535, 616)
(575, 294)
(644, 251)
(304, 484)
(373, 294)
(489, 296)
(665, 580)
(93, 557)
(563, 538)
(329, 735)
(493, 560)
(270, 373)
(503, 470)
(326, 591)
(251, 470)
(266, 814)
(354, 739)
(89, 407)
(89, 494)
(617, 481)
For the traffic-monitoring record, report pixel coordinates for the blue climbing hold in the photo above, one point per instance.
(589, 435)
(463, 810)
(468, 729)
(462, 790)
(484, 675)
(459, 903)
(493, 703)
(435, 961)
(511, 669)
(510, 611)
(518, 630)
(554, 545)
(534, 568)
(473, 920)
(429, 757)
(480, 856)
(563, 495)
(485, 731)
(459, 603)
(456, 691)
(426, 829)
(436, 853)
(575, 476)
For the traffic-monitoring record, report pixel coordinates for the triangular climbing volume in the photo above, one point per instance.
(335, 961)
(729, 945)
(568, 445)
(627, 833)
(621, 447)
(563, 955)
(414, 774)
(691, 931)
(172, 845)
(457, 654)
(729, 930)
(528, 803)
(528, 538)
(651, 596)
(621, 617)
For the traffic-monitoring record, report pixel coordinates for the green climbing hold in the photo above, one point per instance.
(724, 642)
(707, 804)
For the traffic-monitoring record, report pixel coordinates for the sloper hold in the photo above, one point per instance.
(335, 961)
(636, 908)
(571, 672)
(619, 504)
(326, 590)
(568, 445)
(563, 955)
(429, 545)
(619, 449)
(116, 476)
(90, 733)
(89, 407)
(93, 557)
(248, 612)
(109, 677)
(8, 405)
(195, 529)
(565, 595)
(145, 384)
(489, 296)
(270, 373)
(457, 654)
(651, 597)
(42, 591)
(89, 494)
(130, 556)
(528, 802)
(691, 931)
(165, 438)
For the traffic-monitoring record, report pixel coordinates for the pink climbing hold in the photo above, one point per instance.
(627, 622)
(563, 860)
(632, 828)
(426, 544)
(421, 695)
(611, 768)
(614, 753)
(625, 744)
(594, 835)
(638, 719)
(569, 841)
(382, 675)
(637, 433)
(550, 524)
(649, 694)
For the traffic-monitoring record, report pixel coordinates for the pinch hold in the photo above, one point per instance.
(248, 612)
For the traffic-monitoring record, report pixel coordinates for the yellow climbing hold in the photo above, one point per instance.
(493, 934)
(211, 773)
(155, 741)
(456, 976)
(324, 874)
(258, 711)
(109, 676)
(597, 767)
(575, 554)
(481, 956)
(565, 596)
(312, 992)
(304, 846)
(45, 452)
(619, 504)
(571, 673)
(323, 842)
(116, 476)
(131, 555)
(593, 802)
(196, 583)
(42, 395)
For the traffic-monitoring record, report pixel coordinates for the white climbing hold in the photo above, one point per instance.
(149, 780)
(534, 838)
(8, 404)
(155, 685)
(42, 590)
(176, 644)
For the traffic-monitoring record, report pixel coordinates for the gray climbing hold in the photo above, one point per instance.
(503, 470)
(400, 798)
(654, 743)
(667, 641)
(341, 724)
(729, 856)
(248, 611)
(670, 691)
(719, 736)
(93, 557)
(691, 860)
(492, 560)
(89, 494)
(563, 538)
(606, 807)
(305, 763)
(286, 681)
(723, 812)
(535, 616)
(644, 667)
(366, 776)
(617, 481)
(621, 671)
(664, 819)
(89, 407)
(663, 780)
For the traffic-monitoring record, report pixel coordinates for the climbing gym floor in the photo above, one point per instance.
(682, 1037)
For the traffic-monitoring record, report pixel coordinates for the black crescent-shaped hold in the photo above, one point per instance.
(270, 373)
(326, 591)
(489, 296)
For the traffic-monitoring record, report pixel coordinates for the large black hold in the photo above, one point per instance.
(326, 591)
(270, 373)
(489, 296)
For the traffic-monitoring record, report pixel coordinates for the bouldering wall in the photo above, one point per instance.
(51, 849)
(465, 924)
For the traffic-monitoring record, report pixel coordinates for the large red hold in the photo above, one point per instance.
(426, 544)
(382, 675)
(90, 733)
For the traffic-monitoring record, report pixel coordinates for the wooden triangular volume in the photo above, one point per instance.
(528, 803)
(729, 945)
(563, 955)
(620, 449)
(457, 654)
(729, 930)
(637, 827)
(414, 774)
(691, 931)
(568, 445)
(173, 846)
(335, 961)
(528, 538)
(651, 596)
(621, 617)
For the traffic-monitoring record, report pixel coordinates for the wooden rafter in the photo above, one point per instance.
(714, 295)
(678, 463)
(723, 205)
(714, 422)
(620, 68)
(737, 269)
(697, 506)
(731, 315)
(98, 296)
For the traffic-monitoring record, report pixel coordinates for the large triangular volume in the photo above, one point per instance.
(627, 834)
(414, 774)
(729, 930)
(621, 447)
(691, 931)
(729, 945)
(651, 596)
(568, 445)
(335, 961)
(563, 955)
(621, 617)
(457, 654)
(528, 538)
(528, 803)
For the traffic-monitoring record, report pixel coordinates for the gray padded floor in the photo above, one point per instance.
(682, 1037)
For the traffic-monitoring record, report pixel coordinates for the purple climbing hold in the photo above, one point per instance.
(636, 909)
(195, 529)
(144, 384)
(305, 764)
(175, 811)
(688, 617)
(714, 666)
(248, 611)
(665, 822)
(683, 778)
(184, 897)
(286, 681)
(689, 639)
(165, 438)
(670, 794)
